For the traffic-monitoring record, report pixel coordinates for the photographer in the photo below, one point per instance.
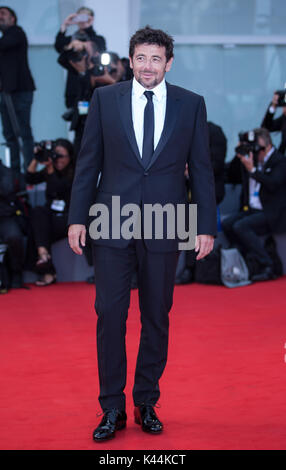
(17, 86)
(94, 70)
(49, 222)
(278, 124)
(218, 147)
(83, 18)
(13, 225)
(262, 171)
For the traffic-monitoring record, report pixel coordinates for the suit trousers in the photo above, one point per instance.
(244, 229)
(114, 268)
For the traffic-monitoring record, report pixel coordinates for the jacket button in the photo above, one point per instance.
(146, 173)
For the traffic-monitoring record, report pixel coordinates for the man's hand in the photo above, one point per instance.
(68, 21)
(80, 66)
(76, 234)
(204, 245)
(247, 162)
(105, 79)
(76, 45)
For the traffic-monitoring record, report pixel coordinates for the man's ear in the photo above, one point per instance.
(169, 64)
(130, 62)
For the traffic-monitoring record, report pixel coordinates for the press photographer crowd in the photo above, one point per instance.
(245, 248)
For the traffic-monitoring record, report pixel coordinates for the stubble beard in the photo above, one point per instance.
(148, 85)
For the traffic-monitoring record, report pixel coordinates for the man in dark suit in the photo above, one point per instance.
(263, 204)
(218, 146)
(139, 135)
(278, 124)
(17, 86)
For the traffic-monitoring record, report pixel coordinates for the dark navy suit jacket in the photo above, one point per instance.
(109, 147)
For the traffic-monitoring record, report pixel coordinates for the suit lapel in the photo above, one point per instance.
(270, 161)
(172, 107)
(125, 107)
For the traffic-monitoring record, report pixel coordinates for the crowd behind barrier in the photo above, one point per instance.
(34, 199)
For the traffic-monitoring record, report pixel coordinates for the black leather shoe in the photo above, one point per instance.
(146, 416)
(112, 421)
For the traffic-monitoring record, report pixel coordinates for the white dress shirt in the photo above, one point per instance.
(254, 186)
(139, 101)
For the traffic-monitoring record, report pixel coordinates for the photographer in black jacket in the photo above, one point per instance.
(218, 147)
(16, 87)
(278, 124)
(84, 33)
(49, 222)
(263, 204)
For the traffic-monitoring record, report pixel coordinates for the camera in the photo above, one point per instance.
(282, 97)
(76, 56)
(46, 150)
(248, 143)
(100, 62)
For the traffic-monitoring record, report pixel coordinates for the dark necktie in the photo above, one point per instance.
(148, 139)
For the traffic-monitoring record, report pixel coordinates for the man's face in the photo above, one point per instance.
(62, 161)
(6, 19)
(262, 153)
(149, 64)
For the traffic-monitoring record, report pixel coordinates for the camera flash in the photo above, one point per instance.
(105, 58)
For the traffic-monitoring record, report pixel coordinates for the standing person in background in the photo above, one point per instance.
(85, 32)
(17, 87)
(278, 124)
(218, 146)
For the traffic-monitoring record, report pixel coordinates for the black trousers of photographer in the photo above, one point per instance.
(48, 226)
(244, 229)
(22, 102)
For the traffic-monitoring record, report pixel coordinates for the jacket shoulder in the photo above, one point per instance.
(109, 90)
(278, 157)
(16, 30)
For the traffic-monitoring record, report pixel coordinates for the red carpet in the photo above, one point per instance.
(223, 388)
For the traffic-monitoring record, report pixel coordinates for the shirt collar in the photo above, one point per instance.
(268, 155)
(159, 91)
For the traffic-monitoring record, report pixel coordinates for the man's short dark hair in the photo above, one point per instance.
(89, 10)
(148, 35)
(12, 13)
(264, 134)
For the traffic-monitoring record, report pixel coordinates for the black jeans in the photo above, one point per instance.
(243, 229)
(22, 102)
(48, 226)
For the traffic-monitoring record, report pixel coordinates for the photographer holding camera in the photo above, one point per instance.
(49, 222)
(83, 18)
(262, 171)
(278, 124)
(17, 87)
